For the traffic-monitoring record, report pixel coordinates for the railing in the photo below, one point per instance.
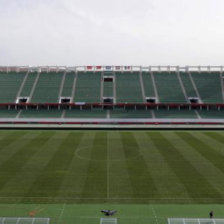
(122, 68)
(135, 106)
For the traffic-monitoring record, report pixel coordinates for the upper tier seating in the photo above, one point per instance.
(108, 89)
(68, 84)
(28, 85)
(128, 88)
(9, 86)
(190, 91)
(47, 88)
(88, 87)
(148, 86)
(168, 87)
(209, 86)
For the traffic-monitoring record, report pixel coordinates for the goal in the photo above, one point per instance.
(194, 221)
(24, 220)
(108, 221)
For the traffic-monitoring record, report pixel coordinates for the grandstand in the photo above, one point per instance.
(112, 94)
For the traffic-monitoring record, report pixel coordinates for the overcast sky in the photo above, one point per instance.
(112, 32)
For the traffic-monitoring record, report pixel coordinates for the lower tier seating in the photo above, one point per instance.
(121, 113)
(8, 113)
(212, 114)
(53, 113)
(175, 114)
(116, 113)
(95, 113)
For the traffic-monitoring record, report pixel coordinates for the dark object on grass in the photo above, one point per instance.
(211, 214)
(109, 212)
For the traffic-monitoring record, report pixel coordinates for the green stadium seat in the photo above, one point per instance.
(28, 85)
(148, 85)
(94, 113)
(190, 91)
(169, 88)
(128, 88)
(88, 87)
(41, 113)
(9, 86)
(209, 86)
(47, 88)
(121, 113)
(175, 114)
(68, 84)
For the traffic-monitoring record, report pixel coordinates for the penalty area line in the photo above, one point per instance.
(154, 214)
(108, 171)
(61, 213)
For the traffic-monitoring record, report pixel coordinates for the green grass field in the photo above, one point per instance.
(147, 176)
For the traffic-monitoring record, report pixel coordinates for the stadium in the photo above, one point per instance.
(112, 95)
(70, 145)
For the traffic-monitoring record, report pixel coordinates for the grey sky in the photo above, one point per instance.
(118, 32)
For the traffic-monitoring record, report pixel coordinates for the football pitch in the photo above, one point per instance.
(148, 176)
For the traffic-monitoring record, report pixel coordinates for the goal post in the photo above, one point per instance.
(194, 221)
(108, 221)
(24, 220)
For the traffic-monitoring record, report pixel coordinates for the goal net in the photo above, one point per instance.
(24, 220)
(194, 221)
(108, 221)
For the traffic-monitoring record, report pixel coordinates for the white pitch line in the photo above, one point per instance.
(108, 169)
(154, 213)
(61, 214)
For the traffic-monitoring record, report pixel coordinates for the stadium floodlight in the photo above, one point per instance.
(108, 221)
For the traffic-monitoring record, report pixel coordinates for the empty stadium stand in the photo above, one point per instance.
(128, 88)
(175, 114)
(95, 113)
(188, 86)
(148, 84)
(68, 84)
(169, 88)
(47, 88)
(28, 85)
(9, 85)
(132, 94)
(40, 113)
(88, 87)
(209, 86)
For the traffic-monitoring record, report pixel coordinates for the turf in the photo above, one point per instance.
(146, 175)
(113, 167)
(127, 214)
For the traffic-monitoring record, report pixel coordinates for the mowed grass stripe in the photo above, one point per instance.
(141, 180)
(215, 135)
(12, 166)
(10, 138)
(119, 177)
(186, 173)
(74, 181)
(41, 145)
(49, 182)
(96, 176)
(214, 176)
(13, 148)
(163, 176)
(216, 158)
